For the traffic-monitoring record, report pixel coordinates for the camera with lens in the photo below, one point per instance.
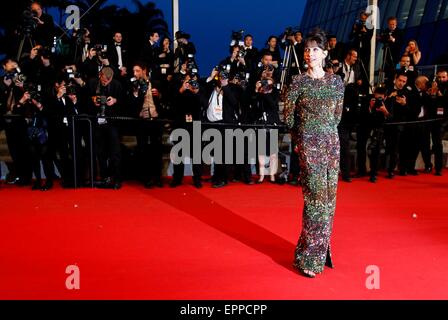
(194, 84)
(15, 76)
(33, 90)
(71, 74)
(289, 32)
(331, 65)
(401, 93)
(71, 89)
(379, 102)
(101, 50)
(242, 54)
(101, 100)
(44, 52)
(28, 22)
(224, 71)
(237, 38)
(141, 85)
(269, 68)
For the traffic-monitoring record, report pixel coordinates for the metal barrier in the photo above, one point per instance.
(89, 119)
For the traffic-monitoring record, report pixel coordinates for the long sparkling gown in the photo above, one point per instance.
(313, 112)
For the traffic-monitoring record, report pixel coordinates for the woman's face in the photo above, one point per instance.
(273, 43)
(412, 45)
(166, 42)
(314, 55)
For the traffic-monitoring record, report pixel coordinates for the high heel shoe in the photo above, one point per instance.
(260, 181)
(273, 181)
(329, 261)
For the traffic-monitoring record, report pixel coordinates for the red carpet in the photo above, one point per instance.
(232, 243)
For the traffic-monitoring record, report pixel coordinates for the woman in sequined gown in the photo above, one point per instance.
(313, 111)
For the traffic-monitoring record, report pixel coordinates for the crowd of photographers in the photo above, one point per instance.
(40, 93)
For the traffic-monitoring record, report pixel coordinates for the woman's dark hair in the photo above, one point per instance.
(318, 36)
(270, 38)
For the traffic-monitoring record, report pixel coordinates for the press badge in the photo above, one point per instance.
(440, 111)
(102, 121)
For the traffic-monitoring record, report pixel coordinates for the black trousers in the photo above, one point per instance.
(421, 142)
(150, 152)
(375, 146)
(179, 169)
(397, 147)
(362, 136)
(41, 152)
(19, 148)
(344, 139)
(108, 150)
(437, 132)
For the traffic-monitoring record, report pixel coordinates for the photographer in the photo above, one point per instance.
(391, 38)
(251, 56)
(267, 99)
(11, 91)
(186, 110)
(406, 68)
(44, 31)
(397, 140)
(38, 69)
(273, 49)
(420, 134)
(95, 61)
(379, 114)
(266, 64)
(105, 101)
(144, 103)
(293, 40)
(439, 110)
(335, 53)
(351, 75)
(67, 101)
(235, 61)
(361, 37)
(239, 84)
(165, 60)
(80, 43)
(219, 106)
(31, 107)
(184, 51)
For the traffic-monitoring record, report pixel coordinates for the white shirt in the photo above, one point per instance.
(120, 59)
(215, 110)
(349, 74)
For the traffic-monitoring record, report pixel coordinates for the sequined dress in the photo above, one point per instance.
(313, 111)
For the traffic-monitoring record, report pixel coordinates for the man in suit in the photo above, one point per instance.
(335, 52)
(251, 52)
(420, 135)
(44, 31)
(106, 100)
(397, 139)
(118, 55)
(405, 67)
(149, 53)
(219, 106)
(439, 110)
(361, 37)
(352, 77)
(392, 39)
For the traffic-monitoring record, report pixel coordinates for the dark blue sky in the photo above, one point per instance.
(211, 22)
